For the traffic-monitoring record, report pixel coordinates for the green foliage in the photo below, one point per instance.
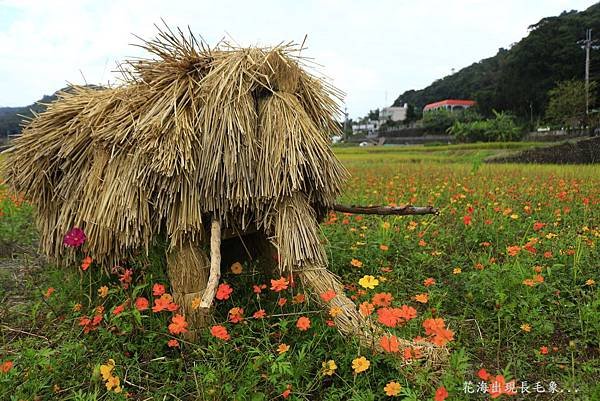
(567, 101)
(500, 128)
(438, 121)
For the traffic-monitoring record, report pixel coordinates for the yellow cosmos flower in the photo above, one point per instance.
(360, 364)
(368, 282)
(392, 389)
(103, 291)
(329, 367)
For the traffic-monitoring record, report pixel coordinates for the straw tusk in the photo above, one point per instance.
(387, 210)
(215, 264)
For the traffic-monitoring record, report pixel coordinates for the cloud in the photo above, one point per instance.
(367, 48)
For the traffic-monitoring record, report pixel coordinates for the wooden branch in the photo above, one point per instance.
(215, 265)
(387, 210)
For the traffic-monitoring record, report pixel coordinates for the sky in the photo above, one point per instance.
(372, 50)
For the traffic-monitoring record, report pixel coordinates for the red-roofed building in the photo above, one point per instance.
(450, 104)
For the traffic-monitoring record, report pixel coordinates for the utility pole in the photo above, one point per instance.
(345, 124)
(588, 46)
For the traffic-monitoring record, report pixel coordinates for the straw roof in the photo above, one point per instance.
(193, 132)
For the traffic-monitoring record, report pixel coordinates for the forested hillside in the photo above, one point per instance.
(518, 79)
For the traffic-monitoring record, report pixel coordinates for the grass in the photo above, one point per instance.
(513, 255)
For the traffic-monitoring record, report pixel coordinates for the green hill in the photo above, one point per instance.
(518, 79)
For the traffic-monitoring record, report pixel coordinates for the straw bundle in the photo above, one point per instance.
(234, 136)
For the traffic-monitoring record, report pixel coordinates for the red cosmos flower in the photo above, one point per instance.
(441, 394)
(259, 314)
(543, 350)
(328, 295)
(279, 284)
(467, 220)
(172, 343)
(6, 366)
(282, 301)
(287, 391)
(142, 304)
(483, 374)
(303, 323)
(537, 226)
(178, 325)
(220, 332)
(119, 309)
(158, 290)
(224, 292)
(126, 278)
(75, 237)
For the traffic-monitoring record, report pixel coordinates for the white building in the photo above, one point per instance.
(369, 127)
(394, 114)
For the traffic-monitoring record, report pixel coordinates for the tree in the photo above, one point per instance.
(567, 103)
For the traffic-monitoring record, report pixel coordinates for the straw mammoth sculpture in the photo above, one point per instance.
(196, 146)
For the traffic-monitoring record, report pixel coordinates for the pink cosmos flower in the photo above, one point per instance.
(75, 237)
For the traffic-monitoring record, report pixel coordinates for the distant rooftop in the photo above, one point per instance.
(450, 104)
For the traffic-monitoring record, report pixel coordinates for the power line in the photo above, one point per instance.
(587, 45)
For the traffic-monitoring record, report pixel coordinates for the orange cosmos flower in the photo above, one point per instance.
(103, 291)
(86, 262)
(282, 348)
(328, 295)
(6, 366)
(356, 263)
(236, 268)
(220, 332)
(429, 282)
(298, 299)
(141, 304)
(389, 343)
(384, 247)
(259, 314)
(281, 301)
(513, 250)
(382, 299)
(223, 292)
(441, 394)
(178, 325)
(422, 298)
(49, 292)
(366, 309)
(392, 389)
(236, 315)
(279, 284)
(257, 289)
(173, 343)
(537, 226)
(303, 323)
(543, 350)
(158, 290)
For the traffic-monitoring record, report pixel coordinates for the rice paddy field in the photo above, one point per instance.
(505, 277)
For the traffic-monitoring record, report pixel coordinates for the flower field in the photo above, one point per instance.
(506, 277)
